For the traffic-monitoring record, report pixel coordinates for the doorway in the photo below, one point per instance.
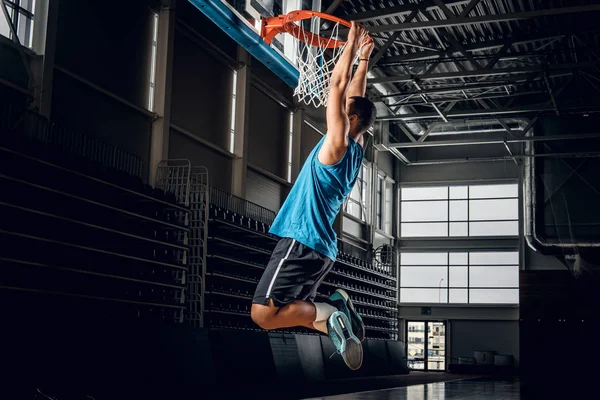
(426, 345)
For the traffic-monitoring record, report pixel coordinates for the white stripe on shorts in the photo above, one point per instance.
(279, 267)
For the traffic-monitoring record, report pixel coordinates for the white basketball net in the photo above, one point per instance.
(316, 64)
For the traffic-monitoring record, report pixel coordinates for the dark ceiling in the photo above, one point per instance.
(455, 66)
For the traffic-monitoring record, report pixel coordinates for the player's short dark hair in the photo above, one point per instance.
(365, 110)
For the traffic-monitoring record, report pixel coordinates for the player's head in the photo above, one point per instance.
(361, 112)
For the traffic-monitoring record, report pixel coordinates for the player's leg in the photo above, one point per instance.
(279, 301)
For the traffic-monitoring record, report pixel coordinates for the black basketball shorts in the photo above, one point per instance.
(294, 272)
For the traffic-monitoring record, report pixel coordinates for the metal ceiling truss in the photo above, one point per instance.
(491, 80)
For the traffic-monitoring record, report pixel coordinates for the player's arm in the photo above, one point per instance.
(358, 85)
(336, 139)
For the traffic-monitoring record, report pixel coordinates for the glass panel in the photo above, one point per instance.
(424, 211)
(425, 193)
(458, 277)
(459, 258)
(423, 277)
(436, 346)
(491, 191)
(423, 295)
(424, 230)
(494, 258)
(459, 229)
(28, 5)
(494, 296)
(355, 193)
(415, 343)
(458, 296)
(4, 27)
(424, 259)
(494, 276)
(353, 209)
(458, 210)
(504, 228)
(458, 192)
(389, 207)
(493, 209)
(25, 30)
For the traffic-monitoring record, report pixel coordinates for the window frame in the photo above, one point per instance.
(449, 201)
(447, 288)
(18, 12)
(364, 203)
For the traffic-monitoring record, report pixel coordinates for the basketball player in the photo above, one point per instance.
(308, 248)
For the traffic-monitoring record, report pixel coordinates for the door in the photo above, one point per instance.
(426, 345)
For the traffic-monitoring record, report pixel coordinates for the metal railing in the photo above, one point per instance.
(241, 206)
(17, 123)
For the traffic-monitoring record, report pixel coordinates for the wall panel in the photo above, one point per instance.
(269, 127)
(109, 45)
(81, 108)
(219, 166)
(201, 92)
(263, 191)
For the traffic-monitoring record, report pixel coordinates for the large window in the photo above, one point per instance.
(459, 211)
(385, 204)
(357, 204)
(20, 13)
(460, 277)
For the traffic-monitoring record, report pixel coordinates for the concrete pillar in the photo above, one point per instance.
(297, 142)
(159, 147)
(44, 45)
(241, 129)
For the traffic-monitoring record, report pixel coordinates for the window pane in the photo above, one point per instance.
(353, 209)
(424, 230)
(458, 258)
(355, 193)
(494, 276)
(28, 5)
(458, 296)
(490, 191)
(493, 209)
(424, 259)
(4, 27)
(458, 210)
(423, 277)
(458, 277)
(458, 192)
(495, 258)
(458, 229)
(24, 30)
(506, 228)
(389, 207)
(424, 211)
(494, 296)
(425, 193)
(423, 295)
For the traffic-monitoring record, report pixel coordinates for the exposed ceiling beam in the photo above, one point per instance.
(458, 88)
(473, 98)
(399, 10)
(492, 113)
(469, 8)
(333, 6)
(484, 72)
(481, 46)
(462, 21)
(498, 140)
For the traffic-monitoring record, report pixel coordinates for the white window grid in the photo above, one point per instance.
(21, 15)
(475, 277)
(495, 214)
(357, 203)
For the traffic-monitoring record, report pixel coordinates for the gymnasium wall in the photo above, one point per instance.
(98, 51)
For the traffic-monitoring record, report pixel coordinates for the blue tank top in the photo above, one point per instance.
(308, 213)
